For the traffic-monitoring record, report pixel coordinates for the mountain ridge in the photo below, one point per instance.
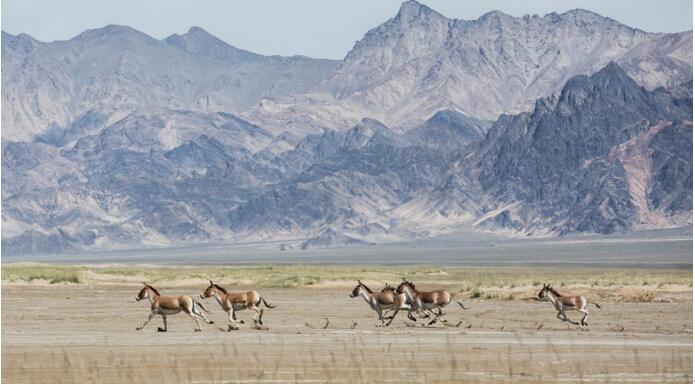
(115, 139)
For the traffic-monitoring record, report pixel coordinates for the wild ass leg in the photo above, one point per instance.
(258, 317)
(436, 317)
(146, 321)
(564, 315)
(442, 313)
(395, 312)
(234, 317)
(561, 316)
(195, 318)
(164, 319)
(201, 314)
(586, 315)
(233, 326)
(381, 317)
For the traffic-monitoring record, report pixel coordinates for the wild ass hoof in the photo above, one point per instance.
(138, 328)
(160, 329)
(211, 322)
(232, 328)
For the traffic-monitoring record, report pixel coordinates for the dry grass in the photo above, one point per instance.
(353, 362)
(51, 273)
(483, 282)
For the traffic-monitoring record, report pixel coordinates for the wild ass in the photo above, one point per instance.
(388, 288)
(237, 301)
(577, 303)
(170, 305)
(381, 301)
(426, 301)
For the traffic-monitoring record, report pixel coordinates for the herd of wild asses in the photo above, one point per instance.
(425, 304)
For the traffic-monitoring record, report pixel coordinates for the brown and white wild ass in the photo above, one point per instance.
(561, 303)
(381, 301)
(422, 314)
(237, 301)
(170, 305)
(426, 302)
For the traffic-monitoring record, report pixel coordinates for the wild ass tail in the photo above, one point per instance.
(266, 304)
(200, 305)
(460, 304)
(597, 306)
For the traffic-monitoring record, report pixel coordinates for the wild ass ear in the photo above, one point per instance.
(145, 284)
(211, 282)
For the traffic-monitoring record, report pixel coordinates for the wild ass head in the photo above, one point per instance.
(404, 285)
(146, 292)
(212, 290)
(359, 288)
(544, 291)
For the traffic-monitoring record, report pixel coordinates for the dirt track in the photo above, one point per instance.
(78, 333)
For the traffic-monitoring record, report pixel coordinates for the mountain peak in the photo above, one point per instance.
(194, 33)
(613, 73)
(583, 13)
(111, 31)
(495, 15)
(612, 68)
(201, 42)
(586, 16)
(611, 83)
(411, 10)
(196, 30)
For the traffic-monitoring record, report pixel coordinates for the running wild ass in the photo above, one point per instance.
(561, 303)
(426, 302)
(170, 305)
(381, 301)
(237, 301)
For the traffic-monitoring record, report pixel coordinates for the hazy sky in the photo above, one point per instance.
(318, 28)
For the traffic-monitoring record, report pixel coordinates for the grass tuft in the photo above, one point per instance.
(53, 274)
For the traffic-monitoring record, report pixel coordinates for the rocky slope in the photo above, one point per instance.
(420, 62)
(102, 75)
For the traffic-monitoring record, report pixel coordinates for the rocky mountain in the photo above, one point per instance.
(104, 74)
(114, 139)
(420, 62)
(590, 159)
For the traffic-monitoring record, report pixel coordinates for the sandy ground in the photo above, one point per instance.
(86, 334)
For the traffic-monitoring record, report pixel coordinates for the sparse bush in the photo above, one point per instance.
(475, 294)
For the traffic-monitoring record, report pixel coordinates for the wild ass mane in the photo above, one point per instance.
(410, 284)
(153, 289)
(220, 288)
(556, 293)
